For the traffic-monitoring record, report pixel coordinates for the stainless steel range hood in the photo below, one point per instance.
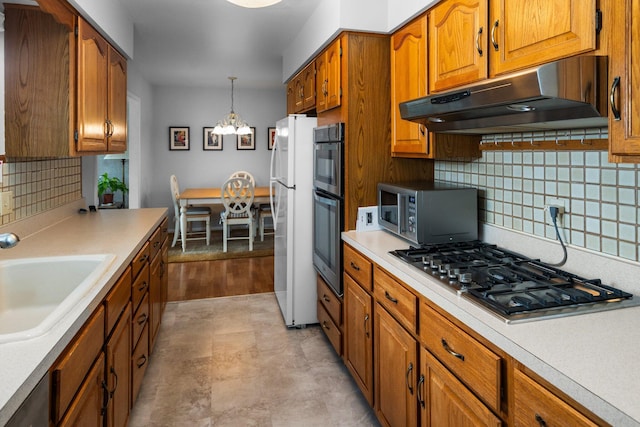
(566, 94)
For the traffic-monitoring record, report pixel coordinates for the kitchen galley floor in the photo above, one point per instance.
(230, 361)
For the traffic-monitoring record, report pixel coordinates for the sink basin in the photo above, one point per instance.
(35, 293)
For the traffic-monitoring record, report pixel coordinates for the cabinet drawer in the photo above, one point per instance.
(332, 304)
(117, 300)
(469, 360)
(398, 300)
(155, 243)
(140, 287)
(141, 259)
(358, 267)
(70, 370)
(139, 362)
(140, 320)
(535, 405)
(330, 329)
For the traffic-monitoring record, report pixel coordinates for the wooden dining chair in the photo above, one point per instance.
(194, 214)
(237, 198)
(264, 212)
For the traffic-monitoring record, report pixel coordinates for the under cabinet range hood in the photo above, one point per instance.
(566, 94)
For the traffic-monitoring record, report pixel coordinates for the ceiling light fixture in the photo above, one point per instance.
(232, 123)
(254, 3)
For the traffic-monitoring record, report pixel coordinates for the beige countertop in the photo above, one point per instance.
(591, 357)
(121, 232)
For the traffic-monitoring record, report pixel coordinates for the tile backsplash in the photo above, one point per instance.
(600, 198)
(40, 185)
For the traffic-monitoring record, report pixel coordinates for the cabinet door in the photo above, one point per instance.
(445, 401)
(298, 86)
(624, 78)
(358, 349)
(457, 43)
(92, 89)
(408, 81)
(535, 405)
(291, 97)
(527, 33)
(334, 83)
(118, 373)
(155, 299)
(117, 102)
(86, 409)
(309, 84)
(396, 365)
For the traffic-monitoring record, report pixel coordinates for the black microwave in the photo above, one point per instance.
(429, 212)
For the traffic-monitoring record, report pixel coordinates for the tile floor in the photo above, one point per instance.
(231, 362)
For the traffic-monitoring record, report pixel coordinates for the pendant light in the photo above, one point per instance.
(254, 3)
(232, 123)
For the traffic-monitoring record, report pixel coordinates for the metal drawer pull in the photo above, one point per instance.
(478, 48)
(541, 421)
(141, 361)
(143, 286)
(493, 35)
(407, 377)
(612, 98)
(142, 319)
(390, 298)
(420, 383)
(355, 266)
(324, 324)
(326, 298)
(115, 386)
(450, 351)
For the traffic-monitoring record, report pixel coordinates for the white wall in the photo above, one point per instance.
(110, 17)
(197, 108)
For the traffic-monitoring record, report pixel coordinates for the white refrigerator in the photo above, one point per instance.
(291, 183)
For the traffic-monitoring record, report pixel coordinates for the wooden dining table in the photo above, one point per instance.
(209, 195)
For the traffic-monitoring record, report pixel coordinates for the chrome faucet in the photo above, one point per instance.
(8, 240)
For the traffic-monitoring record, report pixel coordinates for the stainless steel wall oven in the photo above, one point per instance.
(328, 212)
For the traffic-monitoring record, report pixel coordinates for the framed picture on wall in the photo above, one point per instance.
(179, 138)
(247, 142)
(272, 138)
(211, 141)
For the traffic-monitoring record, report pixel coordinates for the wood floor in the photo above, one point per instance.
(220, 278)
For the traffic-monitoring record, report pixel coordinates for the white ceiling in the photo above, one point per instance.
(202, 42)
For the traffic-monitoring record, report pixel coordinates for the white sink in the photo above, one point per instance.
(35, 293)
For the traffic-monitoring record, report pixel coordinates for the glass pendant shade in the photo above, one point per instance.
(232, 123)
(254, 3)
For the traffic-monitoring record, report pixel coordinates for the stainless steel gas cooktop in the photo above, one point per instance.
(510, 285)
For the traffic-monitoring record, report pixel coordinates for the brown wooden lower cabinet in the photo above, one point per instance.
(537, 406)
(118, 350)
(87, 408)
(358, 326)
(396, 372)
(445, 401)
(139, 363)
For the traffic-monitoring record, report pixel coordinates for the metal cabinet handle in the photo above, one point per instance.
(141, 361)
(390, 298)
(115, 386)
(478, 47)
(106, 398)
(450, 350)
(366, 321)
(324, 324)
(541, 421)
(612, 98)
(355, 266)
(326, 298)
(422, 130)
(409, 370)
(143, 286)
(142, 319)
(420, 384)
(493, 35)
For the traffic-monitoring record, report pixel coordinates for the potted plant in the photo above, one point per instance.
(107, 186)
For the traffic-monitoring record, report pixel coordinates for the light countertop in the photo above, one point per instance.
(121, 232)
(591, 357)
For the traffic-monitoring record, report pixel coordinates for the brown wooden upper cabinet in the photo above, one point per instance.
(301, 90)
(102, 93)
(624, 78)
(64, 96)
(409, 81)
(328, 77)
(472, 40)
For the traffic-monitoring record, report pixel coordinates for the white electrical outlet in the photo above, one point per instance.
(562, 205)
(367, 219)
(6, 202)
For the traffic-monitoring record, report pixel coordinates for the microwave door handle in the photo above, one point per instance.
(402, 208)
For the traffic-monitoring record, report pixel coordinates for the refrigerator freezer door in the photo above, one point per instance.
(282, 267)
